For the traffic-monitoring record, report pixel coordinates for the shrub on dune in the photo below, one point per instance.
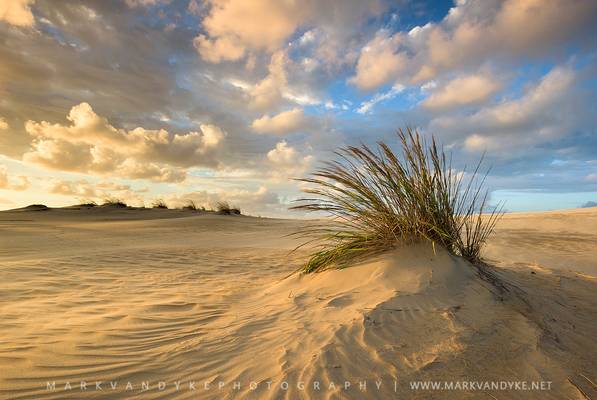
(379, 198)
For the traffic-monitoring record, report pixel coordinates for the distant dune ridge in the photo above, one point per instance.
(128, 295)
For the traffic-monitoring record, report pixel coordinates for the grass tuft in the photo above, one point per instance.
(223, 207)
(114, 202)
(159, 203)
(190, 205)
(87, 203)
(379, 198)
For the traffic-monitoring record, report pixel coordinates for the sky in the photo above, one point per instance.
(230, 99)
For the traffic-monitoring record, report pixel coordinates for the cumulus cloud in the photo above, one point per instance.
(221, 49)
(280, 124)
(474, 30)
(17, 12)
(466, 90)
(546, 112)
(270, 90)
(286, 161)
(19, 183)
(472, 33)
(91, 144)
(379, 61)
(235, 26)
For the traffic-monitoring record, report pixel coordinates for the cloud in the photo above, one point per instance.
(280, 124)
(19, 183)
(234, 29)
(274, 90)
(144, 3)
(367, 106)
(258, 199)
(379, 61)
(17, 12)
(473, 33)
(91, 144)
(286, 161)
(3, 124)
(547, 111)
(221, 49)
(466, 90)
(83, 190)
(268, 93)
(237, 26)
(589, 204)
(592, 177)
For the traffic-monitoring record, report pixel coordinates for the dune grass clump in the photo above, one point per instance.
(159, 203)
(190, 205)
(379, 199)
(223, 207)
(114, 202)
(87, 203)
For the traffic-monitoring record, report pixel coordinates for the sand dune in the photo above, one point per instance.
(208, 302)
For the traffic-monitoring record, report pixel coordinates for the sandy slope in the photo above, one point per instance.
(148, 296)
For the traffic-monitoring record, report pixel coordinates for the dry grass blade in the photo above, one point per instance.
(379, 199)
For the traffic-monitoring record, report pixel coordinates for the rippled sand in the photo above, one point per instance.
(205, 304)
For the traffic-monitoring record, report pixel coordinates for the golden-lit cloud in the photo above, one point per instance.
(280, 124)
(472, 33)
(237, 26)
(17, 12)
(286, 161)
(91, 144)
(269, 92)
(379, 61)
(12, 183)
(465, 90)
(83, 190)
(543, 113)
(253, 200)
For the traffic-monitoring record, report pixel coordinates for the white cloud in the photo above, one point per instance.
(91, 144)
(280, 124)
(17, 12)
(367, 106)
(465, 90)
